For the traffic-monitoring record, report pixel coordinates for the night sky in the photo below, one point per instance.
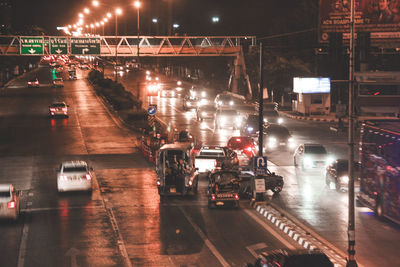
(237, 17)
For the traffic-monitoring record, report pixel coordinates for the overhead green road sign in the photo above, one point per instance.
(58, 45)
(31, 46)
(85, 46)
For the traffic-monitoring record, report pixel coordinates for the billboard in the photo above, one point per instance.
(375, 16)
(313, 85)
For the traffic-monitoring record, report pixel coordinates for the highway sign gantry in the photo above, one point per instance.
(58, 45)
(31, 45)
(85, 46)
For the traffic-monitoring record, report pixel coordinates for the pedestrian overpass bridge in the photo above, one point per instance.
(134, 46)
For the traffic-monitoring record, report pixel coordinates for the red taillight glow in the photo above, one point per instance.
(65, 109)
(88, 177)
(236, 196)
(52, 109)
(158, 183)
(249, 148)
(238, 139)
(213, 197)
(11, 205)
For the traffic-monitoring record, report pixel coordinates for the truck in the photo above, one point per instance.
(223, 188)
(380, 172)
(210, 157)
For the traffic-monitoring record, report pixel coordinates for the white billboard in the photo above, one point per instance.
(303, 85)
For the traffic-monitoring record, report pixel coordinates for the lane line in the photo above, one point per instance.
(22, 246)
(208, 243)
(270, 230)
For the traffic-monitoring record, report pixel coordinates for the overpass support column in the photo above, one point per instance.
(236, 74)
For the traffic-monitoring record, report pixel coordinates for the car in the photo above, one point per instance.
(278, 136)
(224, 118)
(84, 66)
(224, 100)
(9, 202)
(272, 116)
(168, 92)
(337, 174)
(58, 109)
(74, 176)
(190, 102)
(292, 258)
(33, 83)
(205, 112)
(311, 156)
(119, 67)
(250, 126)
(245, 147)
(58, 82)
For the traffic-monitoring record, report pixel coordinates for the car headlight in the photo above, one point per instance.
(203, 94)
(238, 120)
(231, 103)
(344, 179)
(272, 140)
(291, 140)
(188, 104)
(222, 119)
(203, 101)
(280, 120)
(308, 160)
(178, 89)
(219, 102)
(329, 160)
(265, 120)
(173, 93)
(163, 93)
(250, 129)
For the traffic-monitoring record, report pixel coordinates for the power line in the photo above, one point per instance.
(287, 34)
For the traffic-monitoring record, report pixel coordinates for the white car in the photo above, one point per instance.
(58, 109)
(74, 176)
(9, 202)
(311, 156)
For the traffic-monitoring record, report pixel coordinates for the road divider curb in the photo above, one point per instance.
(302, 237)
(307, 118)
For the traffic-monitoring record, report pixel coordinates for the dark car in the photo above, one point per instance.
(278, 136)
(272, 116)
(337, 174)
(205, 112)
(294, 258)
(243, 145)
(250, 126)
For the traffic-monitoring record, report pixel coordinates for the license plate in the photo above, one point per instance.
(172, 190)
(219, 203)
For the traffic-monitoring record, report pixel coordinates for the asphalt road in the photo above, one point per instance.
(123, 222)
(305, 194)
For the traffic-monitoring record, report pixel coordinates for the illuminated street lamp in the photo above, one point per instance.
(86, 10)
(215, 19)
(95, 3)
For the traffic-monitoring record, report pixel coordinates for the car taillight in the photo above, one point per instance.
(36, 82)
(29, 83)
(190, 183)
(249, 148)
(213, 197)
(11, 205)
(52, 109)
(158, 183)
(65, 109)
(88, 177)
(236, 196)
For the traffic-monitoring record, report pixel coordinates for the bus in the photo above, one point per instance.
(380, 168)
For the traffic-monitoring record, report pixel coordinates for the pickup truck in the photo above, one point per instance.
(210, 157)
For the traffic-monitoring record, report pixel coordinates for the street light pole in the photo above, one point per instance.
(137, 4)
(351, 233)
(116, 47)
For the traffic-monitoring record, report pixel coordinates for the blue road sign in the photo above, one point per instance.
(260, 165)
(152, 110)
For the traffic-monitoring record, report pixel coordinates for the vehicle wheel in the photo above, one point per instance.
(277, 189)
(379, 209)
(294, 162)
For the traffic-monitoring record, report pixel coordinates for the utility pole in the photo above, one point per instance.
(260, 106)
(351, 233)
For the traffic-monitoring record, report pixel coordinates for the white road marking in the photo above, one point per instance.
(22, 246)
(270, 230)
(208, 243)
